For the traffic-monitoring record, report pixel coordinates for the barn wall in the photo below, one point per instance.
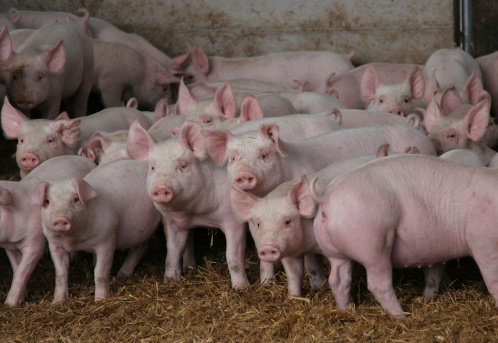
(398, 31)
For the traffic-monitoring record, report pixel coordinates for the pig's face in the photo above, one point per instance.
(396, 99)
(447, 134)
(175, 174)
(254, 164)
(28, 83)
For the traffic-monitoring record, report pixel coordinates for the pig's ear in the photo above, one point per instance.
(300, 195)
(140, 142)
(191, 138)
(55, 58)
(12, 119)
(85, 191)
(216, 143)
(132, 103)
(431, 88)
(415, 81)
(5, 197)
(383, 151)
(432, 114)
(180, 61)
(250, 109)
(39, 194)
(413, 150)
(224, 101)
(450, 100)
(334, 115)
(162, 109)
(200, 59)
(63, 116)
(5, 45)
(369, 83)
(477, 120)
(242, 203)
(271, 131)
(474, 90)
(69, 130)
(185, 99)
(165, 78)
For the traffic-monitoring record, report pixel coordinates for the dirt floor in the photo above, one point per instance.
(203, 308)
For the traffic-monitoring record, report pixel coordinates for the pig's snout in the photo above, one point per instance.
(245, 181)
(269, 254)
(61, 224)
(30, 160)
(162, 194)
(25, 104)
(397, 110)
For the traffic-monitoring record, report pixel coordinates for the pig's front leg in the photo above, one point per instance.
(340, 281)
(29, 260)
(294, 269)
(61, 259)
(314, 269)
(266, 271)
(188, 254)
(236, 250)
(111, 93)
(176, 240)
(105, 255)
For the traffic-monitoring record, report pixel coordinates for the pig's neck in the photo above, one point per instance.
(310, 244)
(482, 150)
(303, 158)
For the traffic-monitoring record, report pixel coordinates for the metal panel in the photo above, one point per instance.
(398, 31)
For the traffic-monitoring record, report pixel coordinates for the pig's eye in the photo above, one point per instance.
(165, 89)
(76, 200)
(406, 100)
(287, 222)
(381, 101)
(451, 135)
(47, 202)
(257, 225)
(323, 215)
(183, 166)
(152, 168)
(21, 141)
(207, 120)
(233, 159)
(50, 140)
(265, 157)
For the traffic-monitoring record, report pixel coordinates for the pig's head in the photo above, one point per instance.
(104, 147)
(457, 130)
(63, 204)
(39, 139)
(256, 160)
(209, 112)
(156, 85)
(199, 68)
(28, 77)
(278, 222)
(177, 173)
(393, 98)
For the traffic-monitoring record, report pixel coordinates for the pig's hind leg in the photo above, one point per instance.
(132, 259)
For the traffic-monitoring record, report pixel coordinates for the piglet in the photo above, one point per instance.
(108, 209)
(369, 215)
(55, 63)
(42, 139)
(21, 232)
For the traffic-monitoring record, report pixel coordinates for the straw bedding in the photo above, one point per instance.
(202, 307)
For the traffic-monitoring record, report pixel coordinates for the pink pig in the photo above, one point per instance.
(21, 232)
(396, 231)
(489, 69)
(41, 139)
(260, 161)
(121, 72)
(468, 127)
(190, 190)
(54, 64)
(289, 68)
(99, 215)
(398, 98)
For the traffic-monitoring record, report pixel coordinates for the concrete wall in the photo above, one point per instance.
(398, 31)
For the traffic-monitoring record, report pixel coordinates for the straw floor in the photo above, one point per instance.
(203, 308)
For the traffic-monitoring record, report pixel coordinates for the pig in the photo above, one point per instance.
(54, 64)
(121, 72)
(260, 161)
(347, 86)
(395, 231)
(226, 104)
(450, 67)
(489, 70)
(106, 210)
(21, 232)
(288, 68)
(189, 189)
(468, 127)
(41, 139)
(398, 98)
